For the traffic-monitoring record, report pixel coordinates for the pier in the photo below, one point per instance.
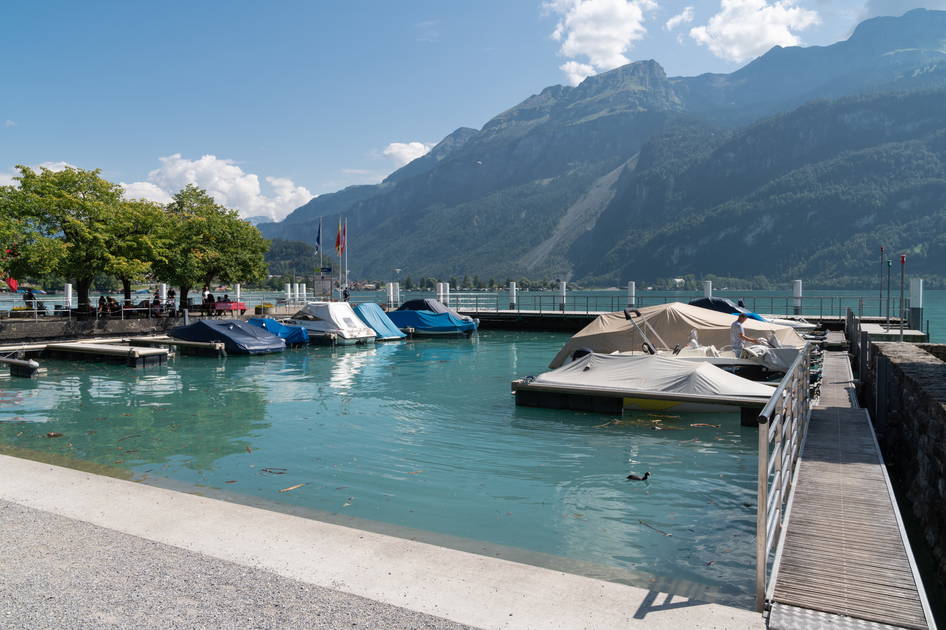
(828, 517)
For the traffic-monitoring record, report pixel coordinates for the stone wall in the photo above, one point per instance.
(905, 390)
(13, 331)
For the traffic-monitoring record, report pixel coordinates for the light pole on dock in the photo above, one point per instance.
(903, 264)
(880, 302)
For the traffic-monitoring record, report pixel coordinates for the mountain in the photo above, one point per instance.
(806, 194)
(603, 180)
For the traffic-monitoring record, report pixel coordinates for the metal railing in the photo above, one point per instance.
(819, 306)
(783, 425)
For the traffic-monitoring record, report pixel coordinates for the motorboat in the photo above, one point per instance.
(431, 317)
(333, 323)
(237, 336)
(610, 383)
(294, 335)
(375, 318)
(687, 332)
(723, 305)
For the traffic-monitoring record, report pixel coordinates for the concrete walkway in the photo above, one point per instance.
(81, 550)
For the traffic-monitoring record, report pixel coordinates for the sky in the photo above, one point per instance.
(266, 105)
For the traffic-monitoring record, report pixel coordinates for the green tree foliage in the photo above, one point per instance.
(140, 236)
(210, 243)
(74, 207)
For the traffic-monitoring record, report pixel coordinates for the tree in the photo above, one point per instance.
(140, 237)
(74, 207)
(408, 284)
(210, 241)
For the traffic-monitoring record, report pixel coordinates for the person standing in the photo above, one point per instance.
(737, 335)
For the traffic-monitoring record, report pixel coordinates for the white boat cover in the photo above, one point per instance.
(665, 326)
(652, 373)
(336, 317)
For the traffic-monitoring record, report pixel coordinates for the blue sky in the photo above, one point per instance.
(267, 104)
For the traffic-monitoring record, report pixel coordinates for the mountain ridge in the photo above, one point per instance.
(550, 184)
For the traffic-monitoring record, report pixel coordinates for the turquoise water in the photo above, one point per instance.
(418, 439)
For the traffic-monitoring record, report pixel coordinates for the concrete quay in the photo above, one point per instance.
(88, 551)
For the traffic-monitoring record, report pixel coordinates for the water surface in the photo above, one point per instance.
(418, 439)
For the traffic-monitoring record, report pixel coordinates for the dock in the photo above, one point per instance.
(843, 560)
(109, 353)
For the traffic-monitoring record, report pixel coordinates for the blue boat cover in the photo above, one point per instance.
(375, 317)
(430, 322)
(292, 334)
(238, 336)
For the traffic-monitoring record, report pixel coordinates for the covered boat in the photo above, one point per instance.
(612, 382)
(237, 336)
(432, 305)
(376, 319)
(667, 327)
(723, 305)
(429, 323)
(332, 323)
(294, 335)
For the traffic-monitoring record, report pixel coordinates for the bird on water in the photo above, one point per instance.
(634, 477)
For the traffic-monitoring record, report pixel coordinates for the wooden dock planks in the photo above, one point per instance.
(843, 551)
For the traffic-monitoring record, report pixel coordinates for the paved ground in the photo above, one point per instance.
(79, 550)
(60, 573)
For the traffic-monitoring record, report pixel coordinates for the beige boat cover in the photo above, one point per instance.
(652, 373)
(667, 325)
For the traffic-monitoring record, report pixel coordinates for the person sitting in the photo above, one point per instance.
(225, 298)
(112, 307)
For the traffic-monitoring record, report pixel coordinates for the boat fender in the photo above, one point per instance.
(649, 349)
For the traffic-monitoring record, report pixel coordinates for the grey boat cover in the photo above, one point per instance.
(652, 373)
(665, 326)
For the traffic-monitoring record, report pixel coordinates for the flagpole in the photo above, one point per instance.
(319, 243)
(345, 245)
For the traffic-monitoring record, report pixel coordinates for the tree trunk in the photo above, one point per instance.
(82, 293)
(184, 291)
(126, 289)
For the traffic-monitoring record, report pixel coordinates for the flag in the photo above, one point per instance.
(318, 239)
(338, 239)
(345, 235)
(13, 284)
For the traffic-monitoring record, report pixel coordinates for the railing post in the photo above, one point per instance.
(761, 544)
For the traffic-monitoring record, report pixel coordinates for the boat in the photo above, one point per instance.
(332, 323)
(610, 383)
(723, 305)
(376, 319)
(431, 317)
(687, 332)
(237, 336)
(294, 335)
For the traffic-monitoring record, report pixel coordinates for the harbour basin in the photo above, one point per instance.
(419, 439)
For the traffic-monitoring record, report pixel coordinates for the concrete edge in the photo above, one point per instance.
(463, 587)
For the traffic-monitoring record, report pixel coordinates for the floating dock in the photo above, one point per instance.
(844, 560)
(109, 353)
(201, 348)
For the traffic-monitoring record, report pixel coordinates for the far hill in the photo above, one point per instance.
(634, 175)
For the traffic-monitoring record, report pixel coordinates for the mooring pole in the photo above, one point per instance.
(889, 266)
(903, 264)
(880, 303)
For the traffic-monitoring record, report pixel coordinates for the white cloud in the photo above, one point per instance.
(601, 31)
(146, 190)
(9, 123)
(684, 17)
(747, 28)
(427, 31)
(405, 152)
(6, 179)
(225, 182)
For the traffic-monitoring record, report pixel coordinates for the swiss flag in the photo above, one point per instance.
(13, 284)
